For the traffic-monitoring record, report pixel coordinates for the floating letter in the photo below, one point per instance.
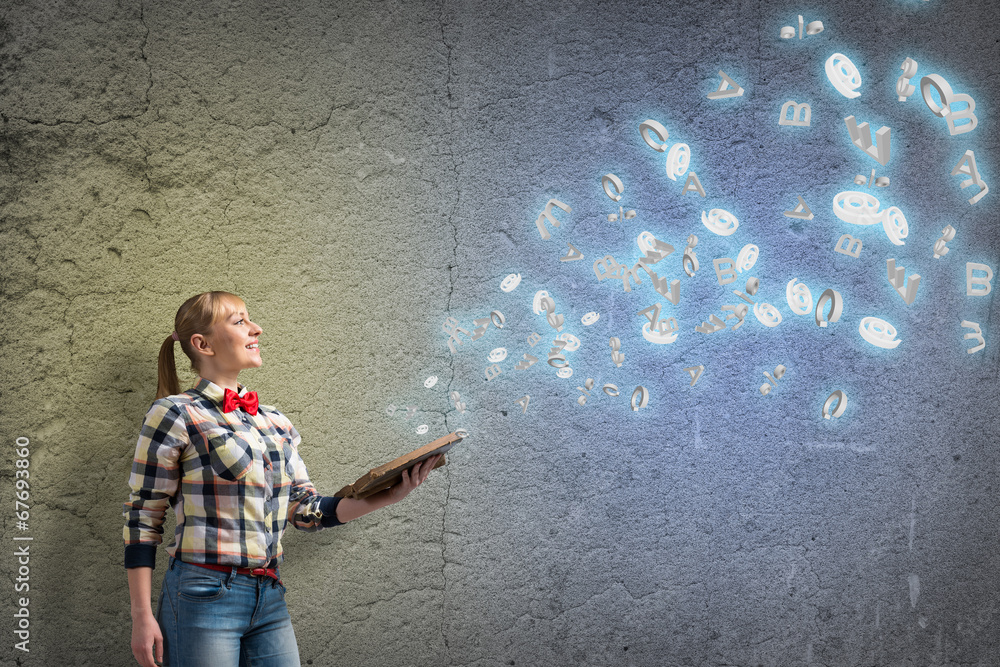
(977, 334)
(836, 307)
(879, 333)
(528, 362)
(801, 114)
(572, 255)
(678, 160)
(948, 97)
(971, 281)
(524, 400)
(940, 249)
(725, 274)
(897, 278)
(613, 186)
(650, 127)
(799, 297)
(692, 184)
(721, 222)
(903, 87)
(841, 399)
(547, 214)
(848, 245)
(801, 210)
(695, 372)
(728, 88)
(844, 76)
(861, 135)
(967, 167)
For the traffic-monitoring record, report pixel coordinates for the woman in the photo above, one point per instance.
(230, 468)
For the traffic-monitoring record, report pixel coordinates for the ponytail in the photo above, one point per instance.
(198, 314)
(168, 383)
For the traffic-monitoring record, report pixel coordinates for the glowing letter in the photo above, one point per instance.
(692, 184)
(844, 76)
(857, 208)
(801, 114)
(948, 97)
(848, 245)
(610, 180)
(572, 255)
(721, 222)
(728, 88)
(639, 398)
(767, 314)
(977, 334)
(799, 297)
(861, 135)
(678, 161)
(940, 249)
(528, 362)
(695, 372)
(841, 399)
(547, 214)
(879, 333)
(972, 281)
(903, 87)
(897, 278)
(836, 307)
(967, 167)
(649, 127)
(801, 210)
(725, 275)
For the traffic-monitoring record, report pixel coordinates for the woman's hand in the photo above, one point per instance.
(352, 508)
(412, 478)
(147, 638)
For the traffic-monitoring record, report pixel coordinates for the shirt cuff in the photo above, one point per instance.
(329, 508)
(140, 555)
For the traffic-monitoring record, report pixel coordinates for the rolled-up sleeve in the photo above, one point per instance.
(307, 510)
(153, 482)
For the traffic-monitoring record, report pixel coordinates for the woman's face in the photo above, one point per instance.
(234, 341)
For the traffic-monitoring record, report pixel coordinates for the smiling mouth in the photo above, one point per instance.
(253, 346)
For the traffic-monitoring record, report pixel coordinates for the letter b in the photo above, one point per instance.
(971, 281)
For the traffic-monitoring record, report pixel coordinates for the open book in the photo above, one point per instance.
(381, 478)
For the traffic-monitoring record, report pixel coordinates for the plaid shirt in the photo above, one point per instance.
(235, 480)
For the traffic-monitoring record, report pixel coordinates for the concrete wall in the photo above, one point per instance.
(359, 172)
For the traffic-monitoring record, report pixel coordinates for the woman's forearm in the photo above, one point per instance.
(352, 508)
(139, 590)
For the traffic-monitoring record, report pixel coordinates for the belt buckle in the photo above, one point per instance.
(259, 572)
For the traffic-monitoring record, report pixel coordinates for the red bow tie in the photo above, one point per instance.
(232, 400)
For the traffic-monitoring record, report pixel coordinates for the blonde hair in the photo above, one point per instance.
(199, 314)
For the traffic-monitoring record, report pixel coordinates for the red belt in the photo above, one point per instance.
(253, 571)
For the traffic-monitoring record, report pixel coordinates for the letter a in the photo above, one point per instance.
(692, 184)
(967, 167)
(728, 88)
(972, 281)
(801, 210)
(547, 214)
(848, 245)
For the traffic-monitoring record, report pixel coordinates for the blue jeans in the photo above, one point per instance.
(223, 619)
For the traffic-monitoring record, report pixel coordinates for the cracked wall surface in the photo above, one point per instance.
(359, 172)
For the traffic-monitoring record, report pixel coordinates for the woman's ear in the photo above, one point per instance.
(202, 345)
